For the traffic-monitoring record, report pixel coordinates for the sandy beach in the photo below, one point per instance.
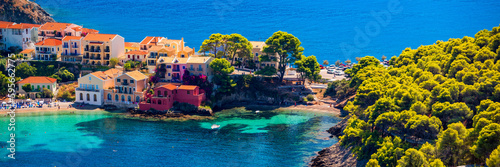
(64, 106)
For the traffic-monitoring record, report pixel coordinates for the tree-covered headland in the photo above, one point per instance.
(435, 105)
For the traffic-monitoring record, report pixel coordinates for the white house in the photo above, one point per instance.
(21, 35)
(91, 86)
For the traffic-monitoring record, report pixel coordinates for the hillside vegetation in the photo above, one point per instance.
(436, 105)
(23, 11)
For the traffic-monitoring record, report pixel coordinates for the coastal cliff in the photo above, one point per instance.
(23, 11)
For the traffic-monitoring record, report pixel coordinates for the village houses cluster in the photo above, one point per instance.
(73, 43)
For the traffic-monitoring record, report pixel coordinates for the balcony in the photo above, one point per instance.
(176, 70)
(85, 57)
(97, 58)
(106, 58)
(65, 46)
(199, 69)
(88, 90)
(95, 50)
(191, 69)
(86, 49)
(124, 83)
(45, 52)
(106, 50)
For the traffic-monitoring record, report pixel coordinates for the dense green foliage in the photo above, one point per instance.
(439, 104)
(285, 47)
(222, 68)
(227, 46)
(309, 68)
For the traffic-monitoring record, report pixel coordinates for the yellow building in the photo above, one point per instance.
(129, 89)
(257, 50)
(131, 46)
(48, 49)
(100, 48)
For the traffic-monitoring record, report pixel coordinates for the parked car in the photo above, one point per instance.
(330, 71)
(338, 72)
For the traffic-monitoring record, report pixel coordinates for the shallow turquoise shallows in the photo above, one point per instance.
(245, 138)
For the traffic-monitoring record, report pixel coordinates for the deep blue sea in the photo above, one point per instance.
(329, 29)
(245, 138)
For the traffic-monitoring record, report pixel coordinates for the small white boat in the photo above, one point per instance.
(215, 126)
(257, 111)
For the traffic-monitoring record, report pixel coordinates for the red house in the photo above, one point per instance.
(164, 97)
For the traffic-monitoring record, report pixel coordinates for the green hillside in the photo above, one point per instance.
(437, 104)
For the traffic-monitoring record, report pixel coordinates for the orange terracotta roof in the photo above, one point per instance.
(155, 48)
(136, 75)
(181, 60)
(100, 37)
(187, 49)
(169, 86)
(77, 28)
(67, 38)
(49, 42)
(27, 51)
(23, 26)
(149, 40)
(187, 87)
(131, 44)
(258, 44)
(89, 31)
(113, 71)
(136, 52)
(199, 60)
(55, 26)
(37, 80)
(101, 75)
(4, 24)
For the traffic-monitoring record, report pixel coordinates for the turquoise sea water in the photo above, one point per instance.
(270, 138)
(324, 27)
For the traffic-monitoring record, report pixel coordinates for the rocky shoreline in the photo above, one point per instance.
(23, 11)
(337, 155)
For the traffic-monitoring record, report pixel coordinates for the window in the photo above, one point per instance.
(165, 93)
(256, 54)
(109, 96)
(183, 67)
(192, 66)
(123, 98)
(81, 96)
(199, 67)
(137, 99)
(116, 97)
(168, 74)
(131, 81)
(129, 99)
(95, 97)
(118, 80)
(159, 93)
(168, 66)
(159, 101)
(188, 92)
(48, 86)
(129, 56)
(88, 97)
(183, 56)
(96, 86)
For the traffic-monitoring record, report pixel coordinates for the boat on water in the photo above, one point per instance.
(215, 126)
(257, 111)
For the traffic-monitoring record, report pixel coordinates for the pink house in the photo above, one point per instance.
(165, 96)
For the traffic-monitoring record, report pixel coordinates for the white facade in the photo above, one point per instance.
(117, 47)
(23, 38)
(90, 90)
